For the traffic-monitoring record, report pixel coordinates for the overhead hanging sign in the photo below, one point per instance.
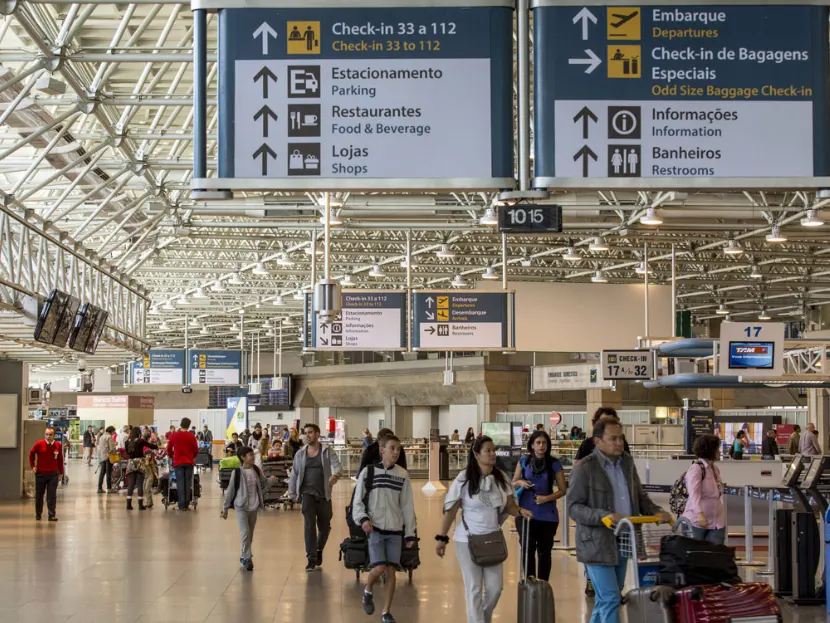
(468, 320)
(567, 378)
(752, 349)
(215, 367)
(366, 97)
(158, 367)
(369, 320)
(680, 96)
(629, 365)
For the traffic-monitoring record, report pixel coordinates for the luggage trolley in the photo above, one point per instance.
(167, 485)
(639, 540)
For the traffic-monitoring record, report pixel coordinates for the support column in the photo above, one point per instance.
(14, 379)
(596, 398)
(390, 413)
(818, 412)
(720, 399)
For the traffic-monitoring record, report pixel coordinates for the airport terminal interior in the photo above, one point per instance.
(581, 244)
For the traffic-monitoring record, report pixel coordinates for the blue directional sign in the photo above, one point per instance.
(462, 320)
(158, 367)
(215, 367)
(360, 97)
(369, 320)
(675, 96)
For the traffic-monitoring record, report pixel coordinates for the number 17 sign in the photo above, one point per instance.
(752, 349)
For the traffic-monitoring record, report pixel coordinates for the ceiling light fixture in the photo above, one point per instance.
(733, 247)
(641, 269)
(204, 331)
(458, 282)
(651, 217)
(164, 326)
(183, 300)
(236, 280)
(285, 260)
(278, 301)
(775, 235)
(168, 306)
(764, 315)
(526, 262)
(599, 245)
(376, 272)
(298, 295)
(489, 273)
(811, 220)
(756, 272)
(260, 269)
(154, 311)
(722, 310)
(599, 277)
(217, 286)
(571, 255)
(194, 324)
(200, 293)
(346, 281)
(489, 219)
(445, 252)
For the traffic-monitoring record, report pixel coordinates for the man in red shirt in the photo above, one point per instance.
(46, 460)
(183, 447)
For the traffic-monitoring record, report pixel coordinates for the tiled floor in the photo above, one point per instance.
(102, 564)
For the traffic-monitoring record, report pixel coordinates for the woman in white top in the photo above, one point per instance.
(485, 496)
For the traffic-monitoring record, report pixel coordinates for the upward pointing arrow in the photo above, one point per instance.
(430, 301)
(265, 113)
(585, 153)
(265, 74)
(586, 115)
(585, 15)
(265, 31)
(264, 151)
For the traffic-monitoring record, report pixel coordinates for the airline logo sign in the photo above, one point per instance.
(668, 93)
(467, 320)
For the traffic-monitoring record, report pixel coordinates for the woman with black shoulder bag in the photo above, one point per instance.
(484, 495)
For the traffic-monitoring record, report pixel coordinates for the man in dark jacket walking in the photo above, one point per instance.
(89, 444)
(606, 485)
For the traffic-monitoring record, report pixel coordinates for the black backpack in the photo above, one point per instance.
(235, 476)
(356, 531)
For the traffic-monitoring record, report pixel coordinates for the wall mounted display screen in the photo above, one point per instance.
(751, 355)
(56, 318)
(87, 329)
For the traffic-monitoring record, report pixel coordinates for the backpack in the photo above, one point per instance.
(679, 494)
(355, 530)
(235, 478)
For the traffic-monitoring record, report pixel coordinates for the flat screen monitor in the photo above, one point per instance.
(67, 321)
(97, 331)
(499, 432)
(56, 318)
(751, 355)
(87, 329)
(818, 464)
(793, 471)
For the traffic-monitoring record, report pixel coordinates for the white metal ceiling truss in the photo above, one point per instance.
(96, 162)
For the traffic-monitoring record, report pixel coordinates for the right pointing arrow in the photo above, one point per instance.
(586, 115)
(585, 153)
(265, 74)
(593, 61)
(265, 113)
(264, 151)
(430, 330)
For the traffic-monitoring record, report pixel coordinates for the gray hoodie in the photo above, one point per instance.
(237, 492)
(331, 465)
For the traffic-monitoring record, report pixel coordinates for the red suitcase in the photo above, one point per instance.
(722, 604)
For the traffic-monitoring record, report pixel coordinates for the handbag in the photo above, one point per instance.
(115, 458)
(486, 550)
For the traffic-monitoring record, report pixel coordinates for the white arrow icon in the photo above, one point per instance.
(265, 31)
(593, 61)
(430, 316)
(430, 301)
(585, 15)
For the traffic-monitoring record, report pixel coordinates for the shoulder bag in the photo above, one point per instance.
(486, 550)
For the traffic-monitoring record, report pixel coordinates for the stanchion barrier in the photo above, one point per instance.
(749, 558)
(770, 570)
(564, 528)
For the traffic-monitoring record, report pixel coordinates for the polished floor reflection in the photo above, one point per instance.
(100, 563)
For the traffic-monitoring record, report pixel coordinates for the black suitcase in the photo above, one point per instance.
(410, 558)
(225, 477)
(689, 562)
(354, 552)
(204, 459)
(650, 604)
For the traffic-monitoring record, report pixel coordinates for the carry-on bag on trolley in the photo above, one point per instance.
(354, 552)
(755, 603)
(536, 603)
(690, 562)
(277, 492)
(650, 604)
(410, 558)
(204, 458)
(169, 489)
(225, 477)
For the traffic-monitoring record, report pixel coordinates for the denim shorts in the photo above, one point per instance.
(384, 549)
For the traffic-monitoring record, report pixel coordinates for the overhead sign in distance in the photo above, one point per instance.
(369, 320)
(215, 367)
(675, 97)
(567, 377)
(366, 97)
(629, 365)
(530, 219)
(158, 367)
(469, 320)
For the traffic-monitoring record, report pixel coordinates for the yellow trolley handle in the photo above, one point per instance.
(644, 519)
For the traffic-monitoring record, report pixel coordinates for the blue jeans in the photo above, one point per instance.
(718, 537)
(608, 581)
(184, 484)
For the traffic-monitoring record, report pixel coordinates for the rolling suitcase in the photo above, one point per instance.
(354, 552)
(536, 603)
(727, 604)
(650, 604)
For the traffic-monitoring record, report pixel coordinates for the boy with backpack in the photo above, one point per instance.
(384, 508)
(245, 494)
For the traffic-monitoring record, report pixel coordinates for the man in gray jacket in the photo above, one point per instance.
(606, 485)
(316, 470)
